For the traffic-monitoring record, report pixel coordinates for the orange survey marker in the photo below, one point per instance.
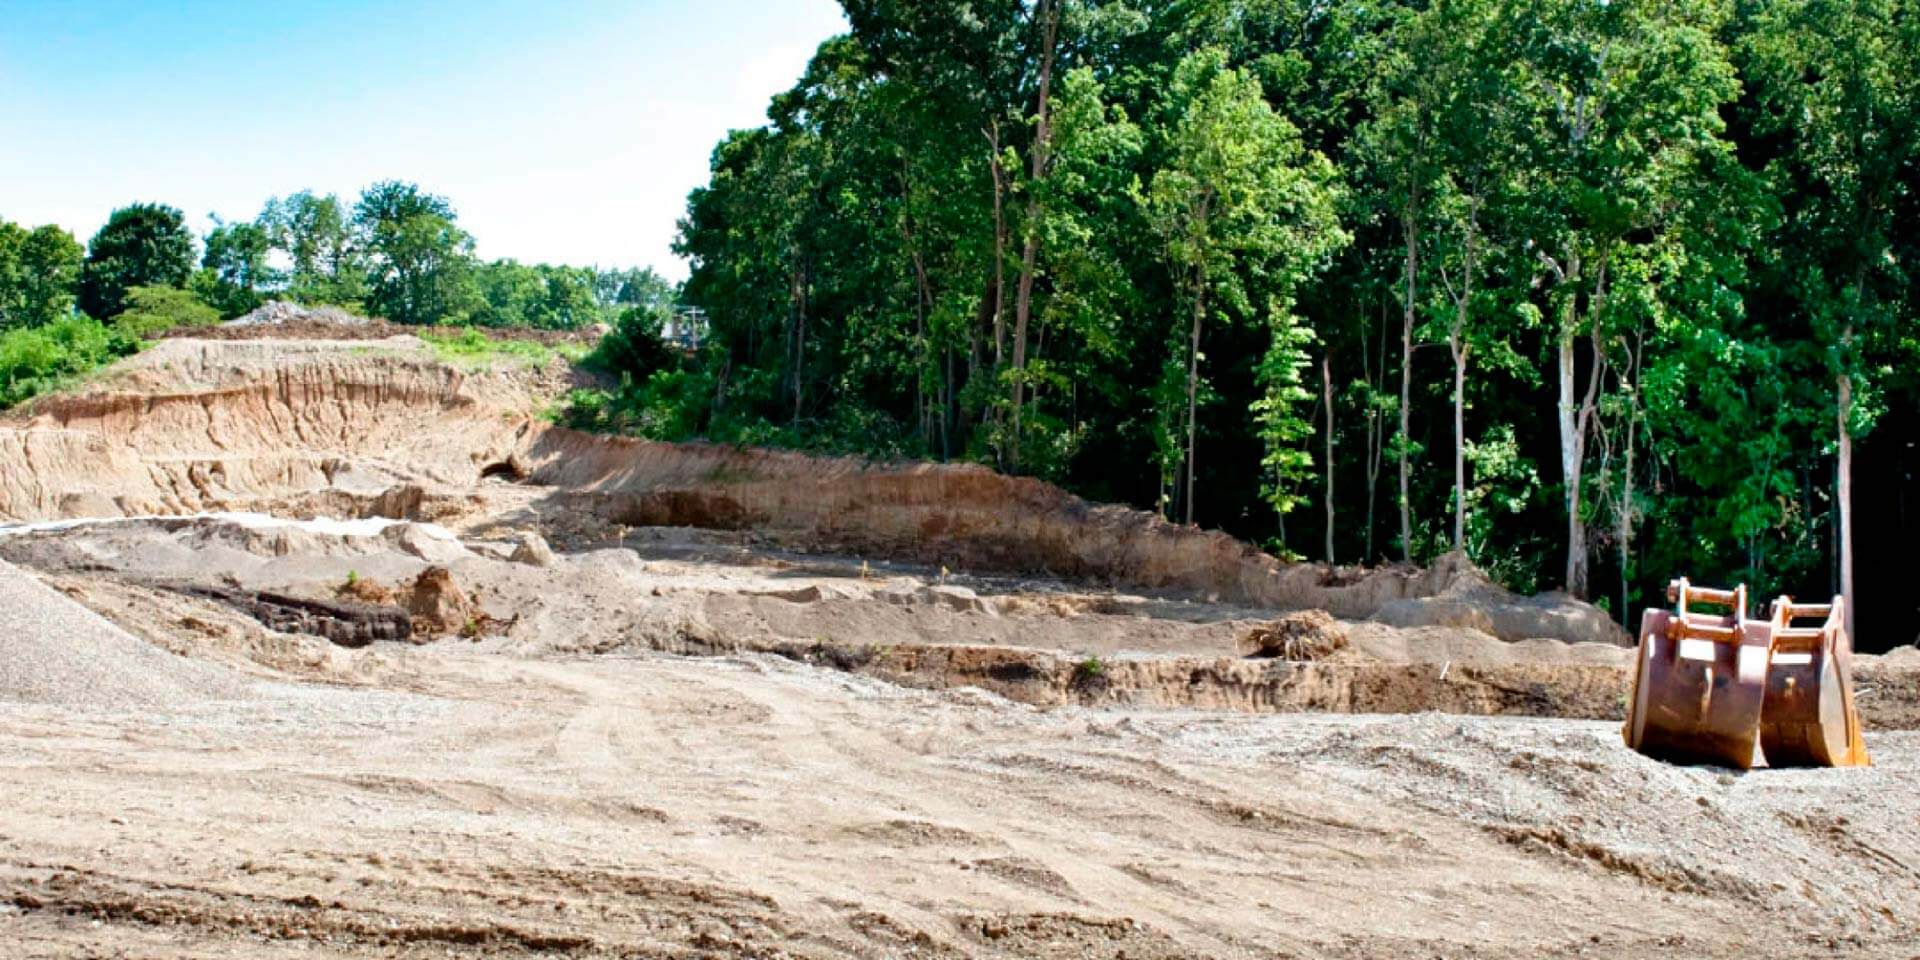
(1809, 719)
(1699, 679)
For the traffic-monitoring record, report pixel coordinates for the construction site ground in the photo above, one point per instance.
(320, 647)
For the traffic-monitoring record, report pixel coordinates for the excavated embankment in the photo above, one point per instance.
(666, 741)
(383, 428)
(196, 425)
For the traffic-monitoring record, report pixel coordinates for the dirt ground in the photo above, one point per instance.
(596, 736)
(642, 806)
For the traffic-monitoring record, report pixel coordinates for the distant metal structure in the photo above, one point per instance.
(687, 328)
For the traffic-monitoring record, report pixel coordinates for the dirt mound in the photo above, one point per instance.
(965, 517)
(191, 426)
(1306, 635)
(53, 650)
(438, 603)
(277, 313)
(1470, 600)
(278, 320)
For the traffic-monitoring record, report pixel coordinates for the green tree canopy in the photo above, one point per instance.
(315, 234)
(420, 263)
(39, 275)
(1658, 246)
(238, 266)
(145, 244)
(1244, 212)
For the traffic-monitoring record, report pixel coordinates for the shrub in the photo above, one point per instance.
(152, 310)
(1090, 674)
(669, 405)
(634, 347)
(34, 361)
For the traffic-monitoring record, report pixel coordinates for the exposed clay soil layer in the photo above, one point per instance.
(688, 701)
(305, 426)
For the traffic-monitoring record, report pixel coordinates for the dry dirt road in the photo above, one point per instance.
(658, 806)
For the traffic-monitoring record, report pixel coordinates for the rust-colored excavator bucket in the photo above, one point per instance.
(1809, 718)
(1700, 679)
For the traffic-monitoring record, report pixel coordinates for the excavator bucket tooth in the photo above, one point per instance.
(1809, 718)
(1699, 681)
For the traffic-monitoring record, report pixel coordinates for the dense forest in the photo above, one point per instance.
(1601, 293)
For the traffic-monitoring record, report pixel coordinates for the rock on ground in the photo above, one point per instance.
(438, 603)
(532, 550)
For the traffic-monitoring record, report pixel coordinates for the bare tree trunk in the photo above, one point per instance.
(1193, 382)
(1577, 421)
(976, 348)
(927, 397)
(1326, 395)
(1626, 525)
(1572, 453)
(1629, 382)
(1376, 428)
(999, 247)
(923, 302)
(1411, 229)
(1459, 442)
(1457, 345)
(1049, 15)
(799, 296)
(1844, 393)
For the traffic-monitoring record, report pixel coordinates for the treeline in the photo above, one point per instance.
(1598, 292)
(396, 252)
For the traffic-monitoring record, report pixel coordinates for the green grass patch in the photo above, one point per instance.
(469, 349)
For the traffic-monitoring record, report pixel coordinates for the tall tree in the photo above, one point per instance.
(1625, 106)
(420, 263)
(1398, 142)
(237, 259)
(1467, 79)
(1046, 17)
(39, 275)
(1841, 78)
(142, 245)
(316, 235)
(1239, 203)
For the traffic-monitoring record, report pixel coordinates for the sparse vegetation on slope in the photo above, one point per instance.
(471, 349)
(34, 360)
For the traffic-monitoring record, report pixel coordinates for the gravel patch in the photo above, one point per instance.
(53, 650)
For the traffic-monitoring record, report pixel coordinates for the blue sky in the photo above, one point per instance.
(566, 131)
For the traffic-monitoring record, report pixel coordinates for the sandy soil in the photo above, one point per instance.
(754, 807)
(743, 742)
